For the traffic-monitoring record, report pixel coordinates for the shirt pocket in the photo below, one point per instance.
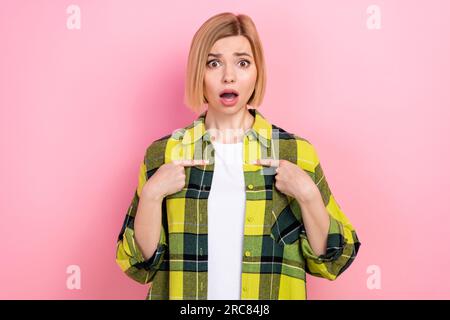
(285, 225)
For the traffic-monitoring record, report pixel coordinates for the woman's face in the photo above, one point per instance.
(230, 66)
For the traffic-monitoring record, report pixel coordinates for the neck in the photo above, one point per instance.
(228, 128)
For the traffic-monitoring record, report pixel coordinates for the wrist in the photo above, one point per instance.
(152, 193)
(308, 195)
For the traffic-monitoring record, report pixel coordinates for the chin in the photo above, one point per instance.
(230, 109)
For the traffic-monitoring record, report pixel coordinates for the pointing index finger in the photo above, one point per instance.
(268, 162)
(188, 163)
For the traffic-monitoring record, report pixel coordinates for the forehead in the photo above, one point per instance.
(229, 45)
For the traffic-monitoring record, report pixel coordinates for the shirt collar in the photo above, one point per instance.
(261, 130)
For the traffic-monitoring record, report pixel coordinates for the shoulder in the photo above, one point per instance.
(296, 148)
(157, 149)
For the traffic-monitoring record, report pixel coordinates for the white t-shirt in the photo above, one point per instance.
(226, 214)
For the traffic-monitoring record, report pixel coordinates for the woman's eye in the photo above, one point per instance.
(210, 63)
(247, 63)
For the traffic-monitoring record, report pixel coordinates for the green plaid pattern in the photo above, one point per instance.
(277, 254)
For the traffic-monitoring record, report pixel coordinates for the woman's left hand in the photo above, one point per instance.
(291, 180)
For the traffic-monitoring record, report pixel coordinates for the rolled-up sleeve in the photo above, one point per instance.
(129, 256)
(342, 241)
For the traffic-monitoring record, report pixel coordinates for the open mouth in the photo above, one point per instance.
(228, 95)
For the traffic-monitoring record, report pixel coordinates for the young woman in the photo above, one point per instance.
(232, 206)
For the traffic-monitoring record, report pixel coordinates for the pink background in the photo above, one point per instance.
(79, 108)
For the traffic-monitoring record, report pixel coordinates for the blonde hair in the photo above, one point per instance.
(217, 27)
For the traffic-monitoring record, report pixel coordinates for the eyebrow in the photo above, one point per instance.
(237, 54)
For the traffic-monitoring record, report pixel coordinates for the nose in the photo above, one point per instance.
(229, 75)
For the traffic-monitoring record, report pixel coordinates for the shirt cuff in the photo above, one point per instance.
(137, 258)
(335, 243)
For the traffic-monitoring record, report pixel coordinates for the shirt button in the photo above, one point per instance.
(250, 186)
(247, 253)
(251, 138)
(249, 219)
(244, 289)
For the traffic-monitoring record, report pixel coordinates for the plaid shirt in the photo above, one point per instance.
(277, 253)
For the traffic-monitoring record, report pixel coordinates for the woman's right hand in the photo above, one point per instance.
(168, 179)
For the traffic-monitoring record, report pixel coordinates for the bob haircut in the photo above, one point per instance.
(217, 27)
